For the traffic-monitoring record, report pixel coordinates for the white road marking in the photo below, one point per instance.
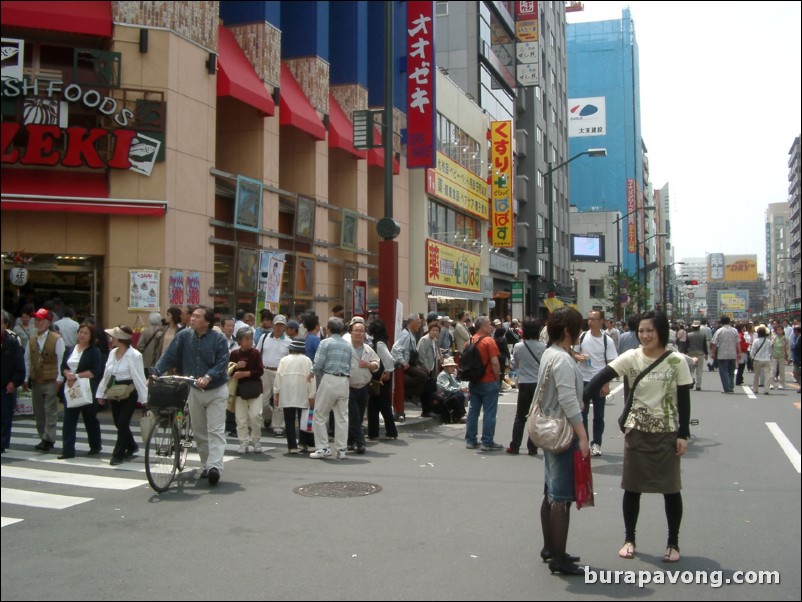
(6, 521)
(35, 499)
(786, 445)
(749, 393)
(66, 478)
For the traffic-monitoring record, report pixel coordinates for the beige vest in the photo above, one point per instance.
(44, 366)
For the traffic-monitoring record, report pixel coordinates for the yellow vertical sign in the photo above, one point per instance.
(501, 216)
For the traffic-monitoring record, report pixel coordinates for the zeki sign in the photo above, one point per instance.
(18, 276)
(44, 137)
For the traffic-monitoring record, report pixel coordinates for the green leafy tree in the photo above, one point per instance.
(616, 286)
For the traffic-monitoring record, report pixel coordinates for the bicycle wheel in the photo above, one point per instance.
(186, 440)
(160, 453)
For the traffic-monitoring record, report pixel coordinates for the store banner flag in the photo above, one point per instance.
(501, 216)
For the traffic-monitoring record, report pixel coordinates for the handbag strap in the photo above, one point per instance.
(541, 386)
(537, 360)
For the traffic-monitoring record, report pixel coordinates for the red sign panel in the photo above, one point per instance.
(420, 85)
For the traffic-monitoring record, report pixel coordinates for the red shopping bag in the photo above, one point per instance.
(583, 481)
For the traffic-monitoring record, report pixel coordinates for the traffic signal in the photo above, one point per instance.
(692, 282)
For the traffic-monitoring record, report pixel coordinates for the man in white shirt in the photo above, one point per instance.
(273, 346)
(67, 328)
(595, 350)
(227, 327)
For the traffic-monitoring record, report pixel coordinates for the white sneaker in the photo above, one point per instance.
(771, 387)
(341, 453)
(780, 387)
(243, 448)
(257, 447)
(321, 453)
(595, 450)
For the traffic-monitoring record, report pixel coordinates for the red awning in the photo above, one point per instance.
(376, 155)
(87, 18)
(237, 78)
(296, 110)
(341, 130)
(68, 192)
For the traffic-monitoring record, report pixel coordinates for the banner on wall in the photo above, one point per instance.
(501, 216)
(193, 288)
(452, 267)
(143, 290)
(420, 85)
(176, 288)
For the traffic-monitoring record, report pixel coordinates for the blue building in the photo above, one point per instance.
(603, 63)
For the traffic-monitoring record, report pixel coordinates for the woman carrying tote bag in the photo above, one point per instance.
(561, 394)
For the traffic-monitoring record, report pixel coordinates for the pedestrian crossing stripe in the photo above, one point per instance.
(5, 521)
(36, 499)
(68, 478)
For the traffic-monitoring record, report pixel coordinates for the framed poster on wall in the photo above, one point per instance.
(349, 230)
(305, 218)
(304, 275)
(247, 270)
(143, 290)
(248, 209)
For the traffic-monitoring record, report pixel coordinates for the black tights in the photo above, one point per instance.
(673, 504)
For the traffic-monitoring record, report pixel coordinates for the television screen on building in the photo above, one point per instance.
(587, 247)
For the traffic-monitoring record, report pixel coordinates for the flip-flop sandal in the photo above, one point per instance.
(672, 554)
(627, 551)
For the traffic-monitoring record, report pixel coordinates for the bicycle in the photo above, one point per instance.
(170, 440)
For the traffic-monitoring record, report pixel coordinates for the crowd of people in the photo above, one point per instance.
(314, 385)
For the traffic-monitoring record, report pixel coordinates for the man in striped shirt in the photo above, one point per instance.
(333, 368)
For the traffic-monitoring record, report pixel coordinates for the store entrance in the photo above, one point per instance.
(71, 278)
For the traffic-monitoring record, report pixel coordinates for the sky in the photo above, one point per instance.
(720, 108)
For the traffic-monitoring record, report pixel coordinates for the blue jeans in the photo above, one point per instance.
(484, 397)
(726, 371)
(598, 418)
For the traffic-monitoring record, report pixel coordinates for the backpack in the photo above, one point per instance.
(471, 366)
(604, 337)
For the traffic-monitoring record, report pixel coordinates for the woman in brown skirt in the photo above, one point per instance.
(657, 427)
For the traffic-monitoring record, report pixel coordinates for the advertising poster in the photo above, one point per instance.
(360, 294)
(193, 288)
(304, 275)
(452, 267)
(176, 288)
(501, 217)
(420, 85)
(734, 303)
(143, 290)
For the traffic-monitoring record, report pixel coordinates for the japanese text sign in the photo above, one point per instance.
(501, 214)
(420, 85)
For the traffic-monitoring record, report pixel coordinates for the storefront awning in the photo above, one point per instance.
(296, 110)
(87, 18)
(376, 155)
(341, 130)
(451, 293)
(68, 192)
(236, 76)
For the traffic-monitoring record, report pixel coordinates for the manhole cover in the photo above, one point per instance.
(337, 489)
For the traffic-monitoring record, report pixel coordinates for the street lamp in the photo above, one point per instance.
(666, 270)
(617, 223)
(646, 269)
(591, 152)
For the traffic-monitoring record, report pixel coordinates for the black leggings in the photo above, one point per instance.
(673, 504)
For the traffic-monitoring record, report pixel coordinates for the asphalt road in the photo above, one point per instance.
(449, 523)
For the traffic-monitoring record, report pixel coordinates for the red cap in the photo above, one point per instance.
(42, 314)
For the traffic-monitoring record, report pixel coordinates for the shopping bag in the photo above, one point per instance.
(583, 481)
(310, 416)
(79, 394)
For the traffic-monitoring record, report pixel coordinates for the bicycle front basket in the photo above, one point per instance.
(168, 393)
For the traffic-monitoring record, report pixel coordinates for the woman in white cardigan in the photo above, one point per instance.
(124, 367)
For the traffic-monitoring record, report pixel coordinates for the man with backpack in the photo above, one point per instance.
(595, 350)
(484, 385)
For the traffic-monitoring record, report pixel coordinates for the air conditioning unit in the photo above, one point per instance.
(522, 235)
(520, 142)
(521, 188)
(520, 100)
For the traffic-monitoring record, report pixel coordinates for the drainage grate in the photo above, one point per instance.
(337, 489)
